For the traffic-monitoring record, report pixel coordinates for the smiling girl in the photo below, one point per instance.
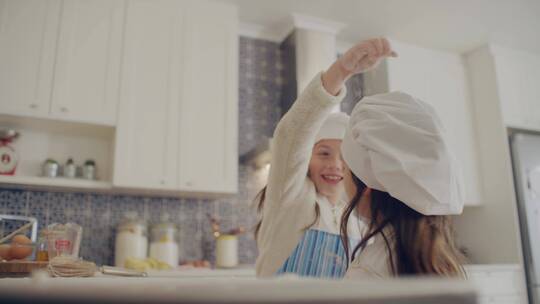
(302, 204)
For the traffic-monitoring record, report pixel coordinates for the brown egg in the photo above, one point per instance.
(20, 239)
(20, 247)
(5, 252)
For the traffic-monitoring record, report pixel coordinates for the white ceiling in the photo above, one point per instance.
(454, 25)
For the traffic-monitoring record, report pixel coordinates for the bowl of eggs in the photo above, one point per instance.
(20, 248)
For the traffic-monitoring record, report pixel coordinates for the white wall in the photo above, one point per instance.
(491, 231)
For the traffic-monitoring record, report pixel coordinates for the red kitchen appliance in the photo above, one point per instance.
(8, 155)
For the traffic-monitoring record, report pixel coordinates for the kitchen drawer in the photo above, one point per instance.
(503, 299)
(498, 282)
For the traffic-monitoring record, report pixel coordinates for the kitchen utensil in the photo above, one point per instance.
(32, 222)
(64, 240)
(70, 266)
(120, 271)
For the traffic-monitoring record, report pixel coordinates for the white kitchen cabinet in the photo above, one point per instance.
(146, 154)
(177, 122)
(438, 78)
(517, 78)
(209, 109)
(28, 32)
(61, 59)
(86, 74)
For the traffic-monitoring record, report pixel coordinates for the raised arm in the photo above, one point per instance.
(295, 134)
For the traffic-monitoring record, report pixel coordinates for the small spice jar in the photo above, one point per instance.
(70, 170)
(50, 168)
(89, 170)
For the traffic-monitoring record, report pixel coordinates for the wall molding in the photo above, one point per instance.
(279, 31)
(316, 24)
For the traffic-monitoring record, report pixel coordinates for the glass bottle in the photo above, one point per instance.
(42, 253)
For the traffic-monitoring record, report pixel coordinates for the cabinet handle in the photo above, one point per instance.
(33, 106)
(64, 109)
(189, 184)
(162, 182)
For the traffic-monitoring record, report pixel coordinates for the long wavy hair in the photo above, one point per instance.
(416, 243)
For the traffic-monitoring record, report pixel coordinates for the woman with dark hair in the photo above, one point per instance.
(404, 181)
(404, 184)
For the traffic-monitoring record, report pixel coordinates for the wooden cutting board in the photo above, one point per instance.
(20, 268)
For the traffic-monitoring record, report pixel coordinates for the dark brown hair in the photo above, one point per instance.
(417, 244)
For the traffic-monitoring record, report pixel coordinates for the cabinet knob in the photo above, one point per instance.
(189, 184)
(162, 182)
(64, 109)
(33, 106)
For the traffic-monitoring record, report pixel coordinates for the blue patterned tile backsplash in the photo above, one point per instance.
(261, 73)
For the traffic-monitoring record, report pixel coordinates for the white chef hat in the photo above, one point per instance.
(397, 144)
(333, 127)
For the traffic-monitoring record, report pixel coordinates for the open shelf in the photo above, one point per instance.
(59, 182)
(41, 139)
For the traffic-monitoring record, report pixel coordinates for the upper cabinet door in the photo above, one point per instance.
(146, 154)
(508, 74)
(28, 33)
(518, 73)
(209, 109)
(87, 66)
(530, 91)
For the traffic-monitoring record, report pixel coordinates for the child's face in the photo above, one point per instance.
(327, 168)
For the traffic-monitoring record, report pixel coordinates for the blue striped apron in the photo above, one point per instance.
(318, 254)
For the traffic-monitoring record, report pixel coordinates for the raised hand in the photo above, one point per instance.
(362, 57)
(366, 55)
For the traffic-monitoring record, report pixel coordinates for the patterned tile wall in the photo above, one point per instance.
(259, 92)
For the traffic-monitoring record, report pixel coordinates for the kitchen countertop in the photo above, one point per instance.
(243, 271)
(232, 287)
(238, 285)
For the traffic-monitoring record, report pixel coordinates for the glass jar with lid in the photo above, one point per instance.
(164, 244)
(131, 239)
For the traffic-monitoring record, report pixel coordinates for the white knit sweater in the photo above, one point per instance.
(291, 196)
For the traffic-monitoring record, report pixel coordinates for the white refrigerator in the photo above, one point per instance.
(525, 149)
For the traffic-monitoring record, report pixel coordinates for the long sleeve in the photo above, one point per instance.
(374, 260)
(291, 197)
(293, 141)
